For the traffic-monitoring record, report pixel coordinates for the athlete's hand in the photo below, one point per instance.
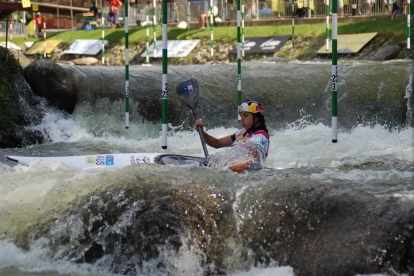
(240, 167)
(198, 123)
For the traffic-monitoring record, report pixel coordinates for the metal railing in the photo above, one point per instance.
(189, 11)
(18, 28)
(269, 9)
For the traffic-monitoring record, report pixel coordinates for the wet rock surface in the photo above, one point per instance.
(18, 106)
(329, 231)
(317, 229)
(48, 80)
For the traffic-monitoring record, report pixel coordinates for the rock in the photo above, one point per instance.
(18, 107)
(386, 53)
(67, 62)
(30, 137)
(314, 227)
(49, 80)
(221, 49)
(85, 61)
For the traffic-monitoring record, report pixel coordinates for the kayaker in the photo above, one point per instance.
(254, 134)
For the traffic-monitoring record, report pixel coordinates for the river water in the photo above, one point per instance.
(186, 220)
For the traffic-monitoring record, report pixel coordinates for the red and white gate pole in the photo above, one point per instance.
(11, 33)
(44, 39)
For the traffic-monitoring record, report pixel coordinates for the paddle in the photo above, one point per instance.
(188, 91)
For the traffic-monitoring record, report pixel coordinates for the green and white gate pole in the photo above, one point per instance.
(147, 58)
(334, 71)
(154, 18)
(164, 74)
(293, 28)
(238, 60)
(408, 24)
(126, 66)
(103, 35)
(327, 25)
(242, 14)
(211, 29)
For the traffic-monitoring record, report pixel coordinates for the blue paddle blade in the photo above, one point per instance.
(188, 91)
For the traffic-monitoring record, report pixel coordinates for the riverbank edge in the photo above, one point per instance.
(306, 48)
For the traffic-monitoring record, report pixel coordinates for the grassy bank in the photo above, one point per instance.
(397, 28)
(308, 39)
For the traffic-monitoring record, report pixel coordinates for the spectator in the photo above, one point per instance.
(370, 5)
(38, 21)
(94, 9)
(202, 17)
(113, 12)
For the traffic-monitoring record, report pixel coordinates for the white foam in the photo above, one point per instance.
(36, 260)
(271, 271)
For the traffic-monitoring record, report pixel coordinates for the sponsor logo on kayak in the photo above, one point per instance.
(90, 160)
(139, 159)
(142, 159)
(109, 160)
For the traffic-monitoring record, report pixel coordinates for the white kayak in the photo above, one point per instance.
(116, 161)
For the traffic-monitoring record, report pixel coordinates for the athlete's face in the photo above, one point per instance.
(246, 119)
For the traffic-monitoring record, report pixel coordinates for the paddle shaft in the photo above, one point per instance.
(200, 132)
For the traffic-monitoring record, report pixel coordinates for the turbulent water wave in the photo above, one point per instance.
(369, 93)
(317, 208)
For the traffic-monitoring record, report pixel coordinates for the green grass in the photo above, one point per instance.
(19, 40)
(228, 34)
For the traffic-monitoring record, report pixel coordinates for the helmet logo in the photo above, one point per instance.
(252, 107)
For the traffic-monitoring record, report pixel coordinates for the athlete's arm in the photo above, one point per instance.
(212, 141)
(240, 167)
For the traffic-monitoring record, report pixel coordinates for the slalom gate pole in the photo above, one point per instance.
(35, 32)
(239, 96)
(7, 32)
(154, 18)
(327, 25)
(334, 71)
(293, 28)
(164, 75)
(126, 65)
(408, 24)
(242, 15)
(44, 38)
(147, 57)
(103, 35)
(211, 29)
(11, 33)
